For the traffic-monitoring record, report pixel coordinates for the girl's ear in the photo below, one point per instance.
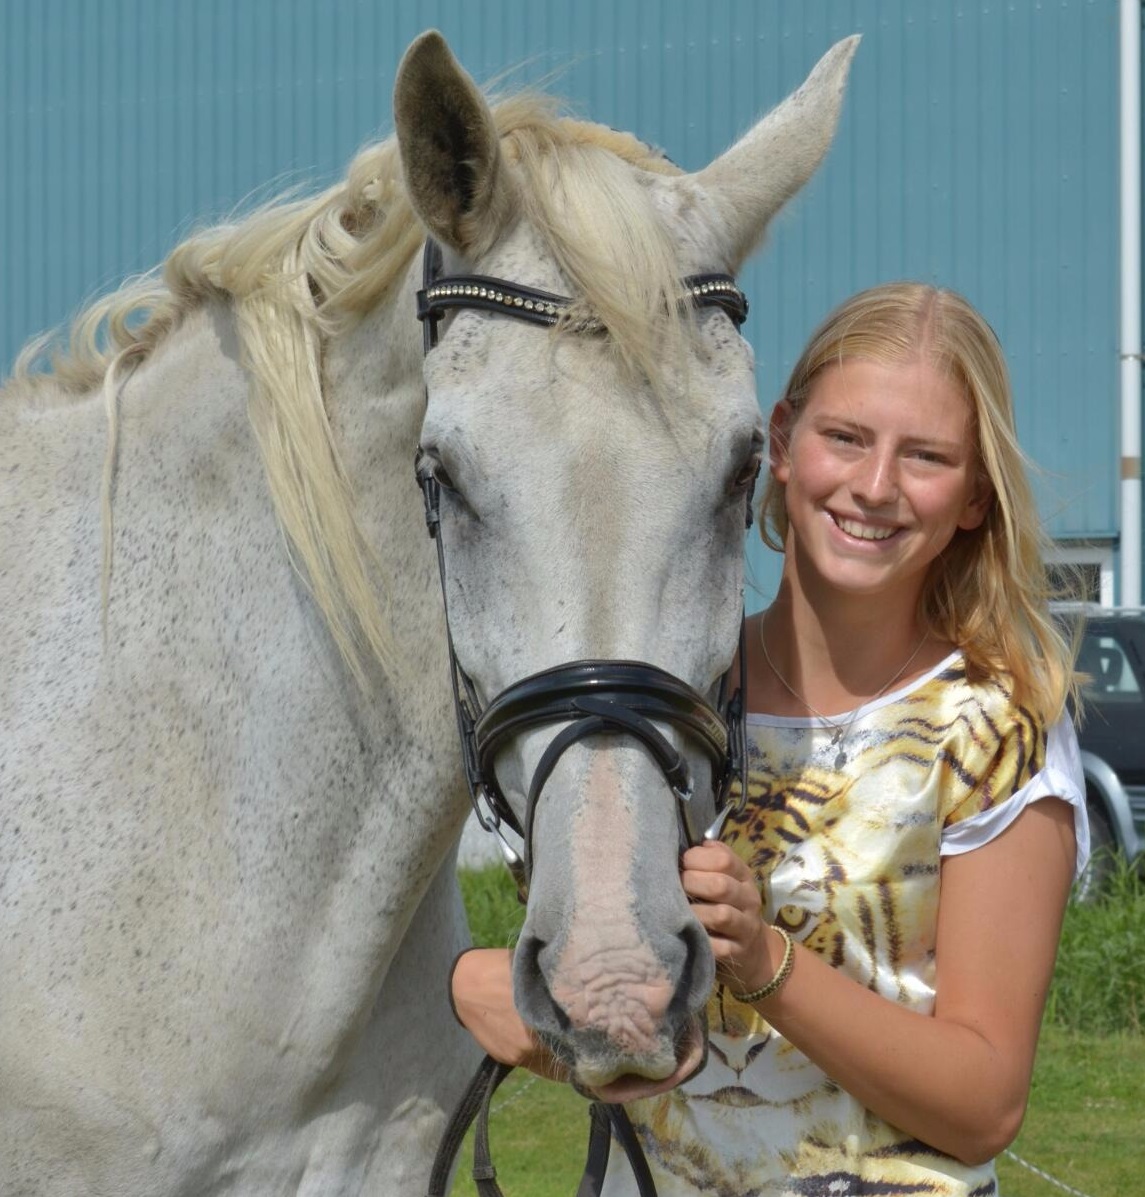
(978, 506)
(779, 440)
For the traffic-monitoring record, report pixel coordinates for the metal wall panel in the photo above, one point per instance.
(978, 149)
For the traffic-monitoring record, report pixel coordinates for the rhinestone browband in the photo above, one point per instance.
(542, 307)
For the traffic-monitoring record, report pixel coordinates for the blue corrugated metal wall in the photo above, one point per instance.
(978, 149)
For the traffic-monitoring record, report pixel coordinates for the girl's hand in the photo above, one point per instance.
(727, 902)
(482, 992)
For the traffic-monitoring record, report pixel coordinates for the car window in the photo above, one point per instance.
(1111, 676)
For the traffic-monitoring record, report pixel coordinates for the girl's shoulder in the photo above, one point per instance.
(968, 698)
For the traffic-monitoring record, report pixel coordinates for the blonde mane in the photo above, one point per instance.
(299, 272)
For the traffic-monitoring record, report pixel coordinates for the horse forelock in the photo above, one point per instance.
(585, 189)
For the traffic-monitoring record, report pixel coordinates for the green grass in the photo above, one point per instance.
(1084, 1122)
(538, 1135)
(495, 915)
(1099, 982)
(1083, 1126)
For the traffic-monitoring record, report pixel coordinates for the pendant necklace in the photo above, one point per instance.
(842, 730)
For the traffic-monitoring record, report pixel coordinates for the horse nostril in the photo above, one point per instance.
(697, 973)
(531, 993)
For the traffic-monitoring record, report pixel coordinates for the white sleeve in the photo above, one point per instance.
(1060, 777)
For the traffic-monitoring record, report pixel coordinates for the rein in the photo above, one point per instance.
(589, 697)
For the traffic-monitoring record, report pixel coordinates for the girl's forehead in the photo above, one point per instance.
(915, 384)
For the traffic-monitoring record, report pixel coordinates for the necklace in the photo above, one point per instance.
(842, 730)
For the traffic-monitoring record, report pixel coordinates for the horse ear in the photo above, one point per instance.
(754, 179)
(451, 154)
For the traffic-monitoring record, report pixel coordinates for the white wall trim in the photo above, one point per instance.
(1088, 554)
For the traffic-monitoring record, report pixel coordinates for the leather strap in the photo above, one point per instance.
(474, 1101)
(616, 696)
(606, 1123)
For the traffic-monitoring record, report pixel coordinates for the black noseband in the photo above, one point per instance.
(596, 697)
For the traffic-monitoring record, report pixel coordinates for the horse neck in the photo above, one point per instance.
(376, 401)
(374, 398)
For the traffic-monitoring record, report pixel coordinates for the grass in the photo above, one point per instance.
(538, 1135)
(1099, 982)
(495, 915)
(1083, 1124)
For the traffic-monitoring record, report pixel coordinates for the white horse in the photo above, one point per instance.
(230, 790)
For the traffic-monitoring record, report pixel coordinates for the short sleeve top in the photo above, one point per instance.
(845, 826)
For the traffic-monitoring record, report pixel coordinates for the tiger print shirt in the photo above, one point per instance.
(846, 846)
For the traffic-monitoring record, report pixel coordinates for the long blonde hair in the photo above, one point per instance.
(989, 591)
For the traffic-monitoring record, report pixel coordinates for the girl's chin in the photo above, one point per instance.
(847, 581)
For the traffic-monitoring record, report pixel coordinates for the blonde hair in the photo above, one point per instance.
(989, 591)
(298, 272)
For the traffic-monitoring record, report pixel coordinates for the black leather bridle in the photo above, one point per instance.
(589, 697)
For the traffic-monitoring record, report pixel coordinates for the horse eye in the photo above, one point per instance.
(430, 463)
(748, 472)
(444, 478)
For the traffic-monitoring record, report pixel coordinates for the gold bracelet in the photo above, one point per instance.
(781, 973)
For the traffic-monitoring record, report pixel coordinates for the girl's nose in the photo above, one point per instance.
(875, 482)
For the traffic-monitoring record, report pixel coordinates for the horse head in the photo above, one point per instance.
(593, 481)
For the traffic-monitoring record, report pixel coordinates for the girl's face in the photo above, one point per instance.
(880, 469)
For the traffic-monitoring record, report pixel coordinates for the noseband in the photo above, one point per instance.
(590, 697)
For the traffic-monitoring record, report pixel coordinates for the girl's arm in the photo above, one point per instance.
(957, 1080)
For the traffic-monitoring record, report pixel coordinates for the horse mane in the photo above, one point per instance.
(299, 271)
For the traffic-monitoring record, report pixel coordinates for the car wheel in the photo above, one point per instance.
(1094, 881)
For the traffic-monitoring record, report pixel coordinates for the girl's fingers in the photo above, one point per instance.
(719, 888)
(721, 919)
(726, 902)
(714, 857)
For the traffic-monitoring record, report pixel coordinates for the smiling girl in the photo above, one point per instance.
(885, 909)
(915, 814)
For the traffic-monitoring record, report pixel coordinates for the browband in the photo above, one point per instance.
(542, 307)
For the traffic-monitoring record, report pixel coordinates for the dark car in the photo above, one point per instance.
(1112, 736)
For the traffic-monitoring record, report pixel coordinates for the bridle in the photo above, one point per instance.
(589, 697)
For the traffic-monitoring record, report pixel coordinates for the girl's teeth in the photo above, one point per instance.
(863, 532)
